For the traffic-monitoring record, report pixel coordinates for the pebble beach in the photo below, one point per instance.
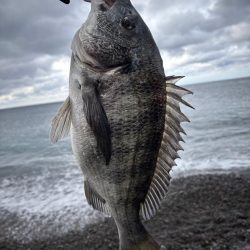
(201, 212)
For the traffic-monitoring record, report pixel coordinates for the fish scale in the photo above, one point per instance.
(125, 118)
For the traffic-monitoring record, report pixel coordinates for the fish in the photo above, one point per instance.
(123, 114)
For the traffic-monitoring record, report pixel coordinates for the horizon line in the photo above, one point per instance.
(188, 84)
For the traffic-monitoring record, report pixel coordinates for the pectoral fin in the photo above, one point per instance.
(97, 119)
(61, 123)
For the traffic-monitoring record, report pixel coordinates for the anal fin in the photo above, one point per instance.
(94, 199)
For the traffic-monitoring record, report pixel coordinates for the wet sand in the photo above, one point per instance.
(200, 212)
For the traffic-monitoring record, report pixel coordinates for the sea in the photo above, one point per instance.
(41, 186)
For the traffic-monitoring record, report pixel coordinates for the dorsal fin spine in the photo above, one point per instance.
(169, 146)
(155, 187)
(163, 190)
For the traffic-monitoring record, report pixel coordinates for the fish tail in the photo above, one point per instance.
(143, 241)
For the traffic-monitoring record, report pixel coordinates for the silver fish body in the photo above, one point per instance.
(118, 112)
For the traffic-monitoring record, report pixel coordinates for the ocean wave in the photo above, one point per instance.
(41, 188)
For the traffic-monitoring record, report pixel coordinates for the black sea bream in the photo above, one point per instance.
(124, 118)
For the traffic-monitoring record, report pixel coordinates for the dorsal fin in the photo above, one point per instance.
(94, 199)
(170, 145)
(61, 123)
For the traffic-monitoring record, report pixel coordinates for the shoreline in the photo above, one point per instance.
(210, 211)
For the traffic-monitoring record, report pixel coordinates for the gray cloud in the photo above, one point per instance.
(204, 40)
(33, 37)
(196, 39)
(180, 27)
(38, 27)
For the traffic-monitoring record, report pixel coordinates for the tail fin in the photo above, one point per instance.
(144, 242)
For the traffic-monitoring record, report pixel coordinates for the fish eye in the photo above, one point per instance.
(79, 86)
(128, 24)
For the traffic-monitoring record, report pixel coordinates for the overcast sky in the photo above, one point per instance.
(204, 40)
